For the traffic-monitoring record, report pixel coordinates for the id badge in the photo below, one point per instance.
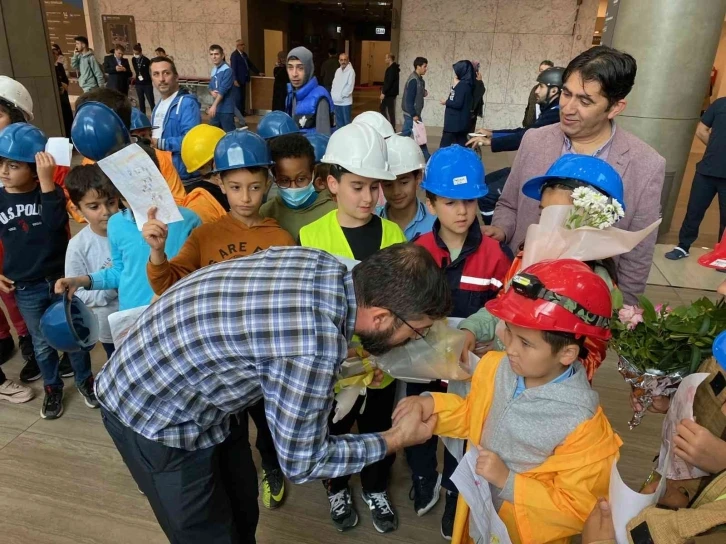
(141, 78)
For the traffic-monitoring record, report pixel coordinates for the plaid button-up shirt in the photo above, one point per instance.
(275, 325)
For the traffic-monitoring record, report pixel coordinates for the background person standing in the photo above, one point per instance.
(117, 70)
(412, 103)
(89, 71)
(279, 87)
(389, 91)
(709, 180)
(241, 67)
(144, 88)
(328, 69)
(342, 91)
(221, 87)
(532, 111)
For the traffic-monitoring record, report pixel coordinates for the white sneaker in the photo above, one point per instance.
(15, 393)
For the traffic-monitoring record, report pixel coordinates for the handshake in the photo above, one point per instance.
(413, 423)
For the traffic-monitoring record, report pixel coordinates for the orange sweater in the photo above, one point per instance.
(211, 243)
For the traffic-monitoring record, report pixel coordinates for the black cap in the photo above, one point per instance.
(552, 77)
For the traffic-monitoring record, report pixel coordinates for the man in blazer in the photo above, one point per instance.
(595, 86)
(117, 70)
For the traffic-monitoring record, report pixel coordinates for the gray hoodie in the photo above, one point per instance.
(304, 55)
(90, 74)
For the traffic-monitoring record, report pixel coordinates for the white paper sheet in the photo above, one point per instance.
(477, 495)
(681, 408)
(626, 503)
(121, 322)
(138, 179)
(61, 150)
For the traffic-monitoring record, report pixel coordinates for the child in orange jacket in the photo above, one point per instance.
(545, 445)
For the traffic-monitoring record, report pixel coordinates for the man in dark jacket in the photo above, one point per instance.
(412, 103)
(144, 87)
(117, 70)
(458, 105)
(328, 69)
(241, 68)
(530, 113)
(549, 87)
(389, 91)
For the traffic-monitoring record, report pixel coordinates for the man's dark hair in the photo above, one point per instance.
(137, 47)
(614, 70)
(547, 63)
(81, 39)
(89, 177)
(405, 279)
(292, 146)
(215, 47)
(112, 98)
(419, 61)
(156, 60)
(333, 52)
(120, 48)
(163, 51)
(558, 340)
(393, 57)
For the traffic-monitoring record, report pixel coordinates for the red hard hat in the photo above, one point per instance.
(563, 296)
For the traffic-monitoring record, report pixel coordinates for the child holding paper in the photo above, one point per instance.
(359, 161)
(88, 251)
(129, 255)
(475, 266)
(545, 445)
(34, 233)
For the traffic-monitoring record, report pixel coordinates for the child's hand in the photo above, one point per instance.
(469, 345)
(698, 446)
(722, 288)
(599, 526)
(155, 232)
(490, 467)
(45, 165)
(6, 284)
(71, 285)
(660, 404)
(410, 404)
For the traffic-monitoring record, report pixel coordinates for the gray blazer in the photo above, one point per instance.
(642, 170)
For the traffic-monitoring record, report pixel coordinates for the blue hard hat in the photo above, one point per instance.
(583, 168)
(276, 123)
(455, 172)
(21, 141)
(240, 149)
(139, 120)
(68, 325)
(97, 131)
(719, 350)
(319, 143)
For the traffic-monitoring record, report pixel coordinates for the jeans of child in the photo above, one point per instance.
(376, 418)
(264, 443)
(207, 495)
(225, 121)
(14, 313)
(109, 348)
(342, 115)
(422, 457)
(703, 190)
(33, 300)
(407, 130)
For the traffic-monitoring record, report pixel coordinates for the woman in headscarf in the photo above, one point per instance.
(458, 105)
(477, 101)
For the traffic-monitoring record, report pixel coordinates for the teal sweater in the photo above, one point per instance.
(130, 253)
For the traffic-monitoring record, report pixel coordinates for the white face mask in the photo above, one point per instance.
(137, 56)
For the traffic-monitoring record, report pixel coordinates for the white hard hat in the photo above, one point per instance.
(377, 121)
(361, 150)
(404, 155)
(13, 92)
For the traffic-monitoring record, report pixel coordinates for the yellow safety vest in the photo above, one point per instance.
(326, 234)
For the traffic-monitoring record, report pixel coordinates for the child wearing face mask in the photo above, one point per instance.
(299, 201)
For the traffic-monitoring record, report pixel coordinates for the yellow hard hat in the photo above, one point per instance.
(197, 147)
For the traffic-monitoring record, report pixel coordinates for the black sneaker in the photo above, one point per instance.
(425, 493)
(7, 348)
(65, 369)
(26, 346)
(447, 520)
(30, 371)
(52, 403)
(86, 389)
(342, 512)
(385, 519)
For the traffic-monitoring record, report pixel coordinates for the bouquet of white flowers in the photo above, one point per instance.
(593, 209)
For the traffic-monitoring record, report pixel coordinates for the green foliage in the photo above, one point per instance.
(666, 339)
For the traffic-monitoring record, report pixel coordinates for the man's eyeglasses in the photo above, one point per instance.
(421, 333)
(286, 183)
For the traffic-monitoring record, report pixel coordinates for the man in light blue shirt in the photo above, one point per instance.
(406, 161)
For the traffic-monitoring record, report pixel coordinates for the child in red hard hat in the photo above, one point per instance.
(545, 445)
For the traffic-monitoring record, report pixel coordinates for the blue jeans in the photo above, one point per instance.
(407, 130)
(225, 121)
(342, 115)
(33, 300)
(109, 348)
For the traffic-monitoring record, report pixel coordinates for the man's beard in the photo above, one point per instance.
(377, 342)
